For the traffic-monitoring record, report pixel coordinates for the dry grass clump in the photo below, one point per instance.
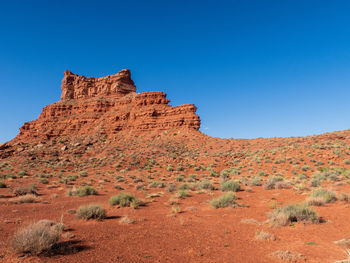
(315, 201)
(287, 255)
(37, 238)
(124, 200)
(328, 196)
(206, 185)
(225, 200)
(92, 211)
(262, 235)
(23, 190)
(82, 191)
(28, 198)
(126, 220)
(293, 213)
(230, 186)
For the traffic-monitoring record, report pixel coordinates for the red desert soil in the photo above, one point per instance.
(105, 135)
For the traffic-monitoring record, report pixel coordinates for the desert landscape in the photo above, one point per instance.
(108, 174)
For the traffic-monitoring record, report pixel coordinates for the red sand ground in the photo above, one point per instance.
(103, 134)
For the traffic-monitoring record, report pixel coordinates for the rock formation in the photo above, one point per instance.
(107, 105)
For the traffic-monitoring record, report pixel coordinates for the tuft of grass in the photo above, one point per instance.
(124, 200)
(23, 190)
(262, 235)
(28, 198)
(91, 211)
(255, 181)
(157, 184)
(315, 201)
(225, 200)
(182, 194)
(230, 186)
(37, 238)
(82, 191)
(206, 184)
(293, 213)
(328, 196)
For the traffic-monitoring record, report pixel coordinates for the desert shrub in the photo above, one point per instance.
(171, 188)
(183, 194)
(184, 187)
(315, 182)
(271, 182)
(262, 235)
(315, 201)
(206, 184)
(23, 190)
(83, 174)
(293, 213)
(2, 185)
(124, 200)
(157, 184)
(256, 180)
(84, 191)
(180, 178)
(28, 198)
(282, 185)
(92, 211)
(328, 196)
(37, 238)
(225, 200)
(44, 181)
(230, 186)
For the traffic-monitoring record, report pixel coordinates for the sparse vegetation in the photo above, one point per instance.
(225, 200)
(92, 211)
(124, 200)
(37, 238)
(293, 213)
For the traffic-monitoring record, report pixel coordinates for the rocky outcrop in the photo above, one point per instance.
(108, 105)
(80, 87)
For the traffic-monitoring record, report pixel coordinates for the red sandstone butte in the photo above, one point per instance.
(107, 105)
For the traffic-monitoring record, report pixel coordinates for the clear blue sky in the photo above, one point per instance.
(253, 68)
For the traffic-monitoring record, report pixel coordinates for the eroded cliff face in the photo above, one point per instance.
(107, 105)
(80, 87)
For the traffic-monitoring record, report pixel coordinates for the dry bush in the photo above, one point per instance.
(262, 235)
(126, 220)
(287, 255)
(23, 190)
(282, 185)
(345, 242)
(28, 198)
(37, 238)
(315, 201)
(293, 213)
(92, 211)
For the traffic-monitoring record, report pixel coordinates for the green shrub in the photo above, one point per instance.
(157, 184)
(44, 181)
(2, 185)
(124, 200)
(86, 190)
(225, 200)
(230, 186)
(92, 211)
(293, 213)
(206, 184)
(328, 196)
(183, 194)
(255, 181)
